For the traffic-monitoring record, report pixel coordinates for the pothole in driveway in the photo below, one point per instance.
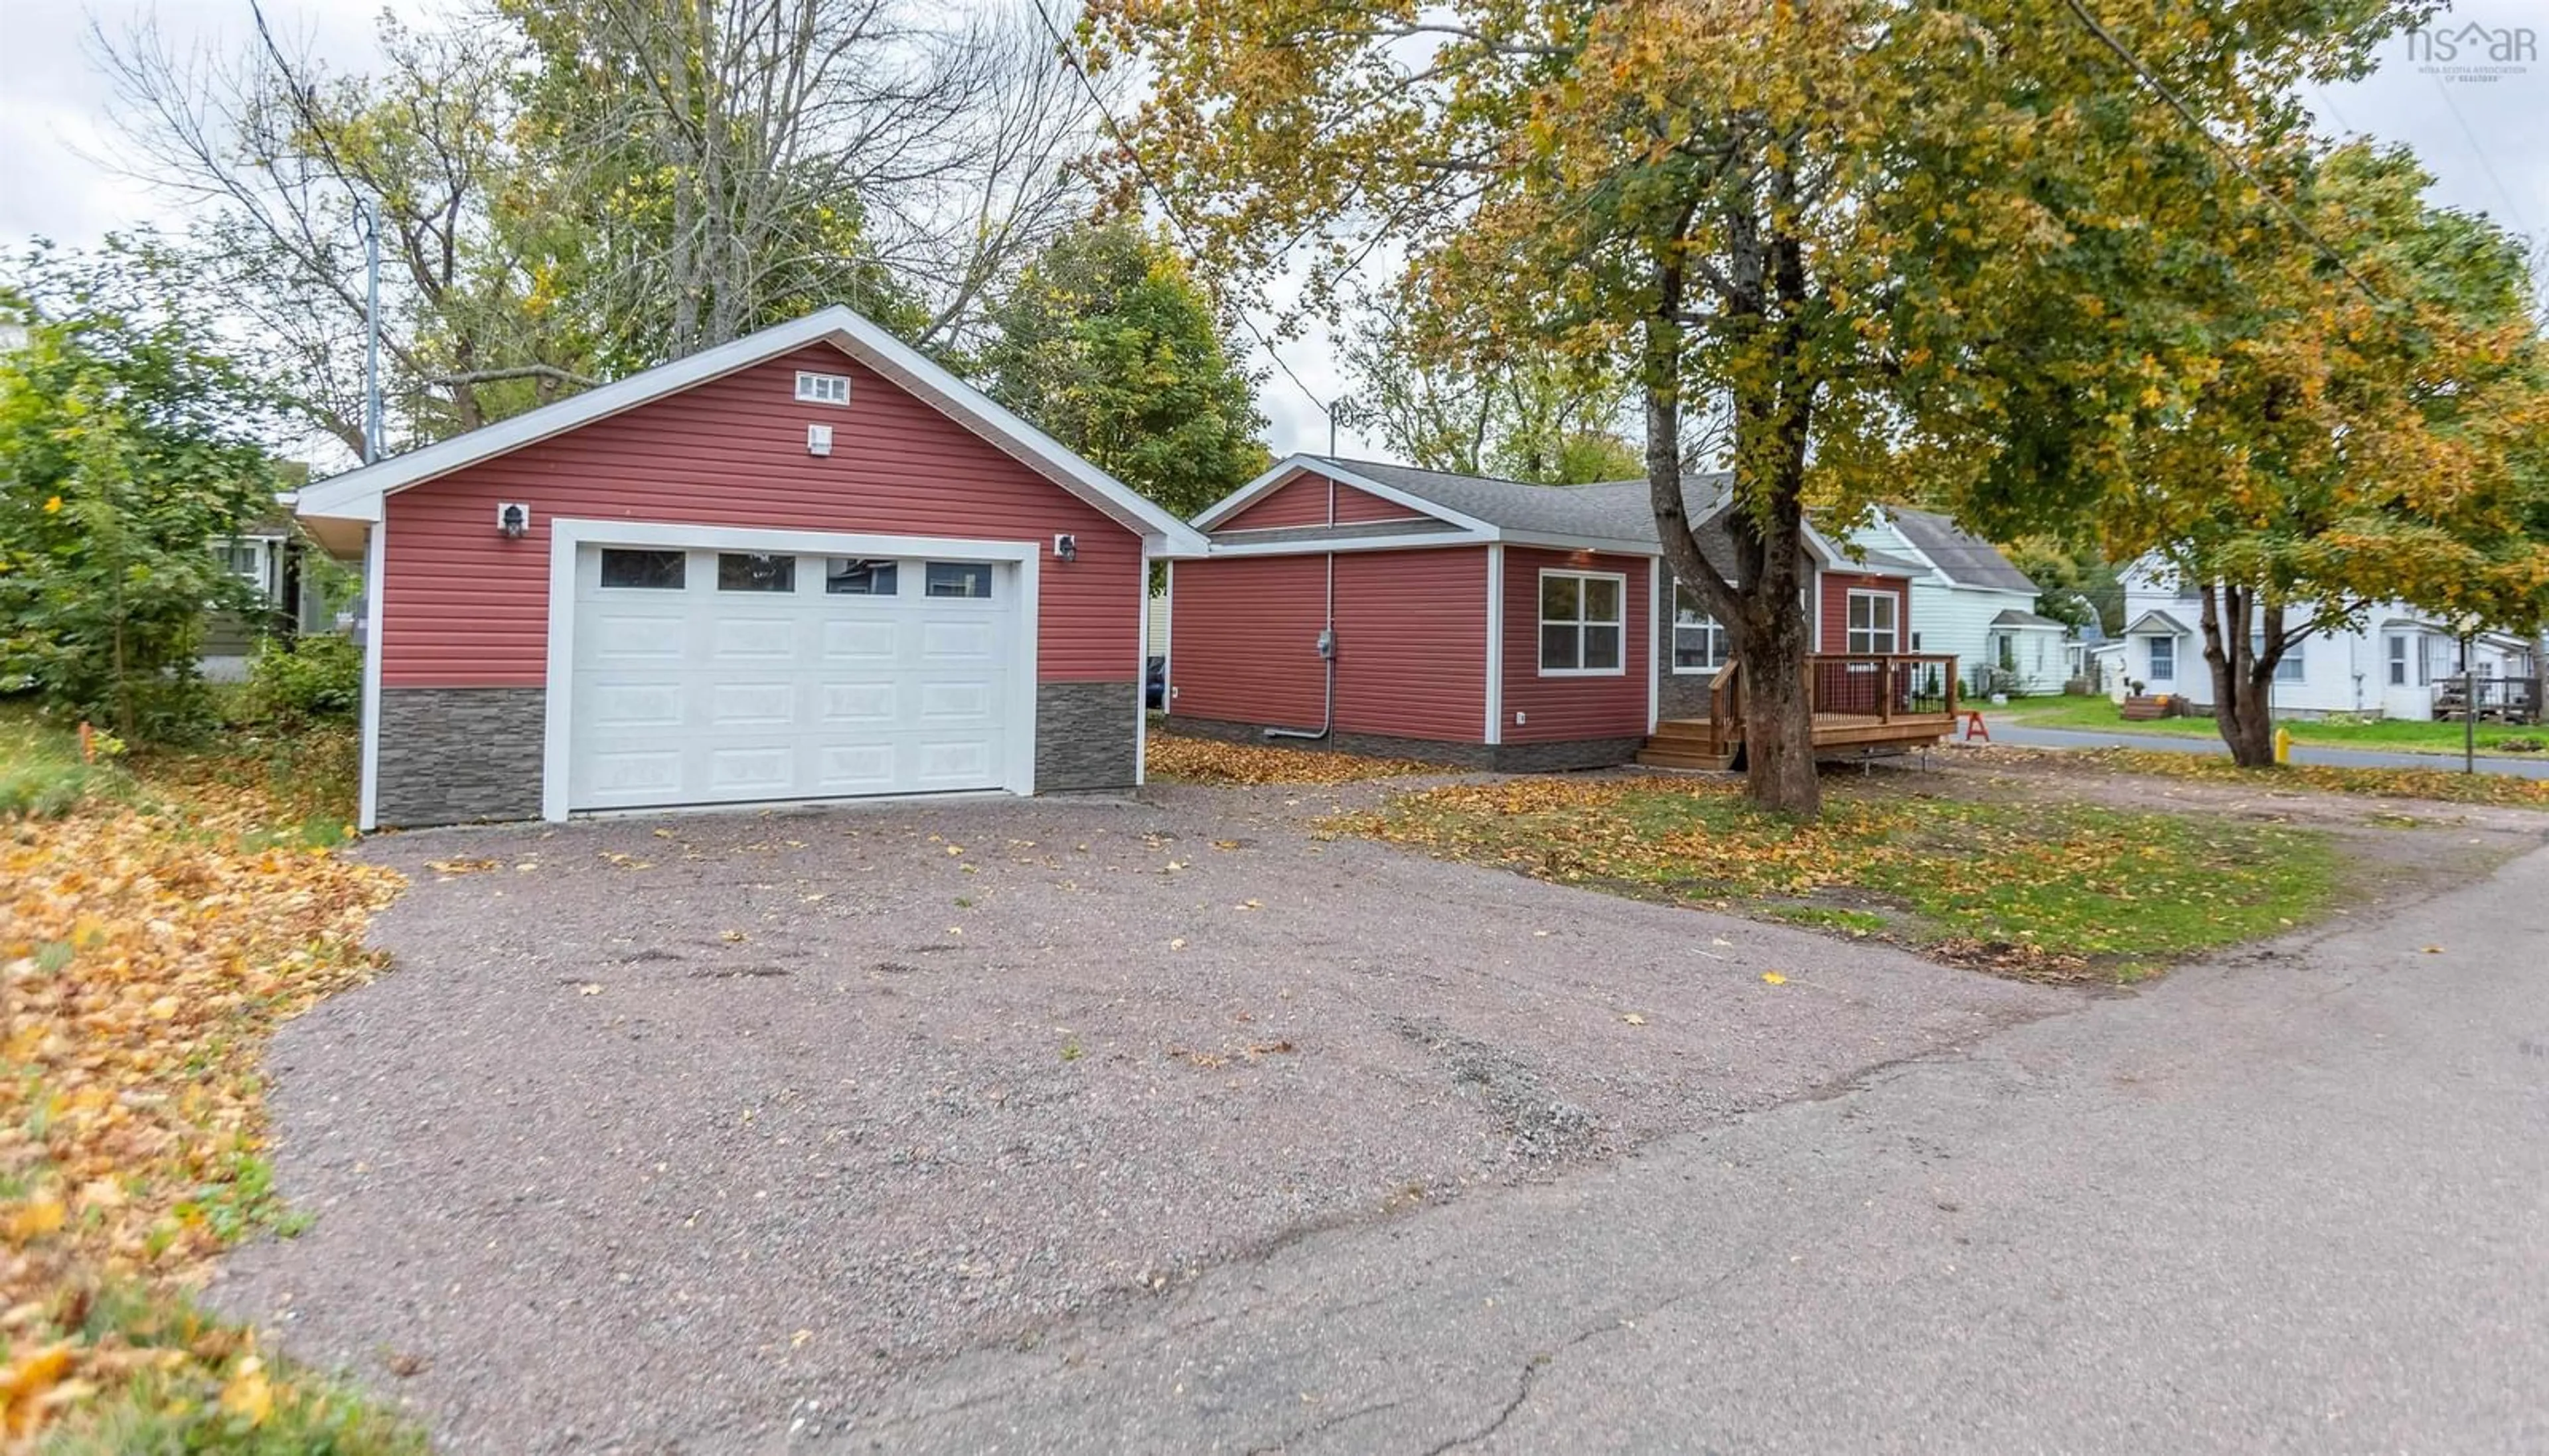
(1541, 1124)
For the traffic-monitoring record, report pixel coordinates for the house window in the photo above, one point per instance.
(1581, 623)
(245, 560)
(649, 571)
(751, 570)
(2163, 659)
(2290, 668)
(2397, 660)
(958, 579)
(823, 389)
(1872, 621)
(858, 576)
(1698, 642)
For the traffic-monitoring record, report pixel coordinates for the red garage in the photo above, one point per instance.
(804, 565)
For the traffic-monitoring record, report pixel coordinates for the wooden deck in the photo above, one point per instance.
(1863, 704)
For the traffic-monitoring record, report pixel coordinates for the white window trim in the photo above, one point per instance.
(1540, 623)
(568, 537)
(814, 387)
(1893, 621)
(1672, 642)
(2152, 673)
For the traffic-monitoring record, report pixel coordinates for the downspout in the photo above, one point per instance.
(1327, 647)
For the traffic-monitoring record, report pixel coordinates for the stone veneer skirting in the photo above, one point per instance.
(1087, 735)
(456, 754)
(452, 755)
(1506, 758)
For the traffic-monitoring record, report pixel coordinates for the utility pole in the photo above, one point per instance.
(367, 217)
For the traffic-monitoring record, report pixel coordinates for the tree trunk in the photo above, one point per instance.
(1763, 616)
(2241, 709)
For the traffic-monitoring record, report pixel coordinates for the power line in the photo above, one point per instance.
(1186, 235)
(2298, 224)
(2236, 161)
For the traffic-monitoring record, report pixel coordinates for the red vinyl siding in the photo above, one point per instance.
(1837, 587)
(1304, 502)
(1572, 707)
(1412, 641)
(463, 607)
(1241, 637)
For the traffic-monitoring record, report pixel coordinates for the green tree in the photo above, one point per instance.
(1529, 414)
(2363, 427)
(127, 452)
(1881, 235)
(1107, 344)
(2075, 584)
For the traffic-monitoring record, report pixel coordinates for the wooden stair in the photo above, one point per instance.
(1686, 742)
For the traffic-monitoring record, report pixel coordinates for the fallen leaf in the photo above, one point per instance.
(1774, 978)
(459, 866)
(1633, 1019)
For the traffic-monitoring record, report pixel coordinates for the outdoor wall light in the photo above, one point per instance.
(513, 520)
(1066, 548)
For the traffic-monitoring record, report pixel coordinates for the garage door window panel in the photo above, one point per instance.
(859, 577)
(744, 571)
(643, 571)
(965, 579)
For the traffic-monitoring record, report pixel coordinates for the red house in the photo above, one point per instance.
(1481, 622)
(807, 564)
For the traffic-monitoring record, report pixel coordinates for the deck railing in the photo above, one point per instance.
(1876, 686)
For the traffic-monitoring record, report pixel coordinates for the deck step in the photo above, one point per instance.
(1669, 757)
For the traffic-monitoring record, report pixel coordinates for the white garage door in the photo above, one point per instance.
(724, 677)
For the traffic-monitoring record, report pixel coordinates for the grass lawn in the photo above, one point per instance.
(158, 917)
(2051, 890)
(2447, 786)
(2404, 735)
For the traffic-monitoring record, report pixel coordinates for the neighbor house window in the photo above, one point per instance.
(2290, 668)
(1698, 642)
(2163, 659)
(652, 570)
(958, 579)
(2397, 660)
(245, 560)
(1872, 621)
(823, 389)
(858, 576)
(1581, 622)
(751, 570)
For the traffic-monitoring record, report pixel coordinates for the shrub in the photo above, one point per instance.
(317, 680)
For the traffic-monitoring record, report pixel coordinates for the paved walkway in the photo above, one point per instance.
(2342, 758)
(2289, 1201)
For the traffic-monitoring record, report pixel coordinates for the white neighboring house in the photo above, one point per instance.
(2389, 667)
(1969, 601)
(257, 557)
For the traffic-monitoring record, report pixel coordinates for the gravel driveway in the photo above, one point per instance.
(683, 1134)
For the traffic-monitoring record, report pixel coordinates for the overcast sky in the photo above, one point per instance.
(2467, 119)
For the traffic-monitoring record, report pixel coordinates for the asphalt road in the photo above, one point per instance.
(2341, 757)
(2293, 1201)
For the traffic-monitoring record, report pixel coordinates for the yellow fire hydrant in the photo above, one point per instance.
(2283, 745)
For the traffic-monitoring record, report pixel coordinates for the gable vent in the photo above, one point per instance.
(823, 389)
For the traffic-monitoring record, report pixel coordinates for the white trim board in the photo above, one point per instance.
(358, 494)
(1495, 643)
(376, 555)
(568, 536)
